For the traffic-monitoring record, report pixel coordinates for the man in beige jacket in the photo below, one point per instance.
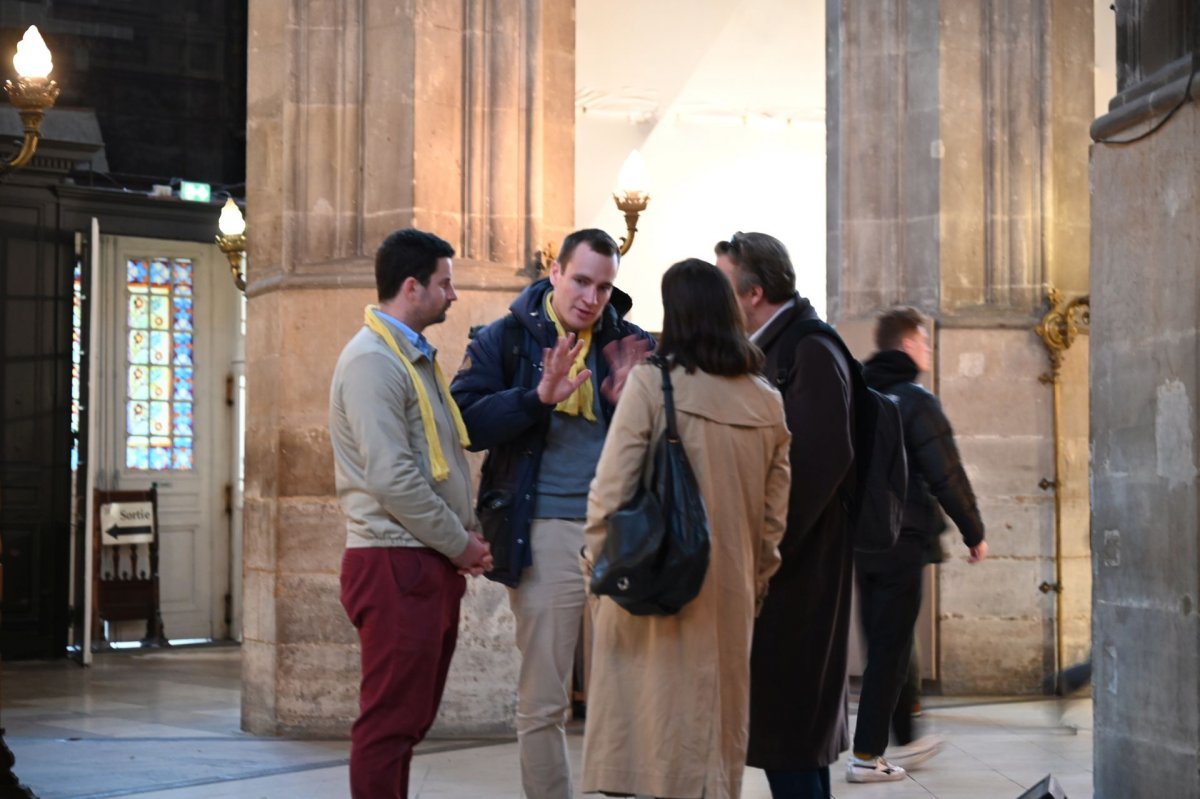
(405, 489)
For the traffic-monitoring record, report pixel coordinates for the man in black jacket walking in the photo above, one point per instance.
(889, 583)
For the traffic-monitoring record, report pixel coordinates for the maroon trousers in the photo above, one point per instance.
(404, 602)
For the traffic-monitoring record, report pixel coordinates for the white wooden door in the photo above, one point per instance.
(169, 326)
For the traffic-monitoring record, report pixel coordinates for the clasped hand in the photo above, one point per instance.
(476, 558)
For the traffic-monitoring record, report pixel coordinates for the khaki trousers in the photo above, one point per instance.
(548, 605)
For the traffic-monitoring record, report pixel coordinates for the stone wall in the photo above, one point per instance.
(957, 184)
(1145, 386)
(363, 118)
(996, 628)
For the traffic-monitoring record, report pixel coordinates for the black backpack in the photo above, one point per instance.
(876, 505)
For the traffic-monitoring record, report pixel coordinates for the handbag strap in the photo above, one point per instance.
(668, 400)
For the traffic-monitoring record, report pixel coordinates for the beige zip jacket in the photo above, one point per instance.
(381, 455)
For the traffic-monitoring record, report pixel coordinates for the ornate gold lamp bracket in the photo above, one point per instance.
(1059, 328)
(32, 94)
(632, 195)
(234, 248)
(632, 203)
(232, 241)
(631, 198)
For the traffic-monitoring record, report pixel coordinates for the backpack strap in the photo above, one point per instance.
(510, 348)
(510, 345)
(790, 339)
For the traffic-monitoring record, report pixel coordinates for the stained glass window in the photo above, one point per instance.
(159, 419)
(183, 349)
(76, 359)
(137, 422)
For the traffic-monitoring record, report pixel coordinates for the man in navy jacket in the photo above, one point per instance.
(537, 390)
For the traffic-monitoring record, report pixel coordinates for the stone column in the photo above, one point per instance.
(957, 137)
(1145, 385)
(363, 117)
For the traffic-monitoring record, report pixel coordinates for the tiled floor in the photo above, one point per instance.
(165, 726)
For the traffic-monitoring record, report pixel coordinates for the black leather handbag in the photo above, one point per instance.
(656, 553)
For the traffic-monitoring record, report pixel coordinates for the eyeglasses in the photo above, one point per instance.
(733, 240)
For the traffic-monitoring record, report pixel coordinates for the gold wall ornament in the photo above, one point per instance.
(542, 259)
(1059, 328)
(31, 95)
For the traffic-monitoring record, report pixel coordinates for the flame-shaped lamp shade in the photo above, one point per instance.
(231, 223)
(633, 179)
(33, 57)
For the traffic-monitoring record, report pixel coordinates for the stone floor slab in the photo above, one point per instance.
(166, 726)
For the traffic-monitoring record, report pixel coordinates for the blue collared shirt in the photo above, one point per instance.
(415, 338)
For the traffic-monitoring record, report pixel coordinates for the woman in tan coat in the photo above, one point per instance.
(668, 699)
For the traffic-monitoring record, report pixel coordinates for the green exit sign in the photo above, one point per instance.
(196, 192)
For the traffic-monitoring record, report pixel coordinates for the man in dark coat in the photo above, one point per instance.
(537, 389)
(889, 583)
(798, 659)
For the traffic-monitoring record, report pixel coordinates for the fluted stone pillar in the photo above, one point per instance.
(363, 117)
(1145, 387)
(957, 164)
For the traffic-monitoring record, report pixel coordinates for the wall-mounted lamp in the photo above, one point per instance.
(32, 94)
(631, 197)
(232, 241)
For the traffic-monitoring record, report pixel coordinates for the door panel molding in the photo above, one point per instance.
(194, 528)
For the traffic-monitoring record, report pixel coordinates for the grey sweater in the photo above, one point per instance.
(381, 455)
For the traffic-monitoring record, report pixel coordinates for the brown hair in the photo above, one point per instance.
(702, 322)
(600, 243)
(761, 260)
(895, 325)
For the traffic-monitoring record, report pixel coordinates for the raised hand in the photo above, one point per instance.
(476, 558)
(622, 355)
(556, 383)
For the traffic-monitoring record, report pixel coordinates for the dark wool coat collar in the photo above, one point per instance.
(800, 311)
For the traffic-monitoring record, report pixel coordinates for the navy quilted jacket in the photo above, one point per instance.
(497, 394)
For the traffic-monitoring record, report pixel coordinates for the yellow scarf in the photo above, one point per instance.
(582, 400)
(437, 459)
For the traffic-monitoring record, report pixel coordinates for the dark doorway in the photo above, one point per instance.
(35, 443)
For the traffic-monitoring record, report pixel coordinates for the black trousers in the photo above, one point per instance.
(910, 694)
(810, 783)
(889, 596)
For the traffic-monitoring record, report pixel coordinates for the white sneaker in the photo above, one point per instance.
(874, 769)
(912, 755)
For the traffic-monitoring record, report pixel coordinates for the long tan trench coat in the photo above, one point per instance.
(668, 699)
